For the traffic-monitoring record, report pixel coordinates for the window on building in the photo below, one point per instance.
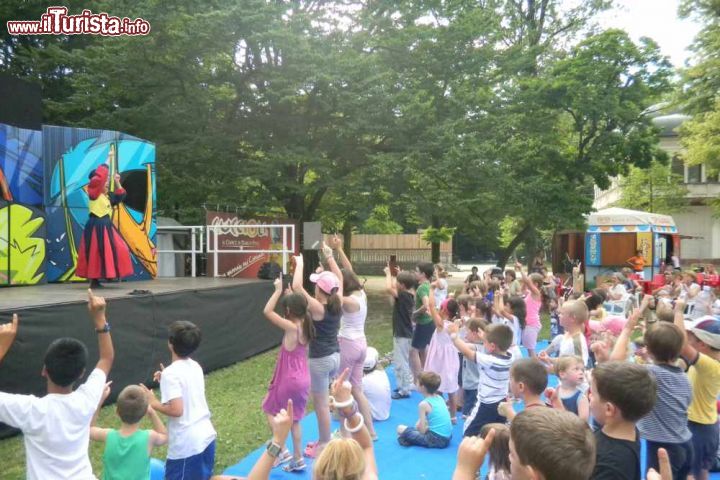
(678, 167)
(694, 173)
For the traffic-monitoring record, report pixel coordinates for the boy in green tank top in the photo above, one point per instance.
(424, 326)
(127, 449)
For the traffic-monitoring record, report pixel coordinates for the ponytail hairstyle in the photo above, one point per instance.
(296, 307)
(483, 309)
(334, 302)
(593, 300)
(517, 304)
(453, 308)
(351, 282)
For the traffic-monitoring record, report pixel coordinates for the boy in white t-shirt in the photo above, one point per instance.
(191, 436)
(56, 427)
(573, 315)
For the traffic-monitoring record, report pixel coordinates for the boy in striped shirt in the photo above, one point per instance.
(494, 362)
(666, 426)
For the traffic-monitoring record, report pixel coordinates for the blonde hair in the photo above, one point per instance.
(441, 272)
(565, 362)
(342, 459)
(577, 309)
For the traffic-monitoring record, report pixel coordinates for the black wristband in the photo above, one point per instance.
(105, 329)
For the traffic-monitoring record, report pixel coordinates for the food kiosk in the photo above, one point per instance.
(614, 235)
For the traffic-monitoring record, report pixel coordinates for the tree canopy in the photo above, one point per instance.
(701, 82)
(494, 116)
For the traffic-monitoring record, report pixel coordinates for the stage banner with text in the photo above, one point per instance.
(245, 265)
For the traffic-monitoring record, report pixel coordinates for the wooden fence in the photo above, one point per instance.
(370, 253)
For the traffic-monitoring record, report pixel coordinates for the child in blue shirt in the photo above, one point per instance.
(433, 428)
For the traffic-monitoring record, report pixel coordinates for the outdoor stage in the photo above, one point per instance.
(228, 311)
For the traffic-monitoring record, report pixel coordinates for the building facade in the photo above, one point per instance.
(699, 228)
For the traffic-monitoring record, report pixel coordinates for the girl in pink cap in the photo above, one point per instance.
(325, 308)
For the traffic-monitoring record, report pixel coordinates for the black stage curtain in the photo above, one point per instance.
(230, 318)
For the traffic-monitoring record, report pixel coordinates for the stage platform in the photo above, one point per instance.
(13, 298)
(228, 311)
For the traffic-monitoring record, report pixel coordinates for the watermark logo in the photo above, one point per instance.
(56, 21)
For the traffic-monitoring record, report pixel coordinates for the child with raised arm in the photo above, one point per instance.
(511, 312)
(442, 357)
(701, 351)
(573, 315)
(569, 395)
(191, 439)
(424, 326)
(528, 381)
(351, 336)
(433, 428)
(666, 426)
(402, 290)
(470, 372)
(325, 308)
(127, 449)
(291, 379)
(8, 332)
(622, 394)
(533, 302)
(494, 363)
(56, 427)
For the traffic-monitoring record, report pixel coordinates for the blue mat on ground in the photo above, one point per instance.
(394, 461)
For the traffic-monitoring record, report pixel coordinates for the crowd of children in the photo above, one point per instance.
(653, 374)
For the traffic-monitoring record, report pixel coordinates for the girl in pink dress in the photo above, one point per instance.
(533, 301)
(442, 357)
(291, 380)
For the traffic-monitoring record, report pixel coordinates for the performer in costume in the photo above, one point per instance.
(103, 254)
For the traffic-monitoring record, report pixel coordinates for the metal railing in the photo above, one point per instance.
(204, 239)
(197, 242)
(213, 235)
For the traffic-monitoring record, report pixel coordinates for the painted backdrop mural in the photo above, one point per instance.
(22, 220)
(44, 201)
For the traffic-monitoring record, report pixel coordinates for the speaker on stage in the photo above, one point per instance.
(312, 235)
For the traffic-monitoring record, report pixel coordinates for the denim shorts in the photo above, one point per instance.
(681, 457)
(422, 335)
(705, 445)
(470, 399)
(482, 414)
(322, 371)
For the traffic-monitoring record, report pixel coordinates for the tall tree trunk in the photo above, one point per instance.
(347, 238)
(507, 251)
(435, 246)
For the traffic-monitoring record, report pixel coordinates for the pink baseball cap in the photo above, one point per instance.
(327, 281)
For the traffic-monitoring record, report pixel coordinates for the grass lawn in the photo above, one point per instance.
(235, 394)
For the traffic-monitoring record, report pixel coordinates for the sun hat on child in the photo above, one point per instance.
(371, 358)
(706, 329)
(327, 281)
